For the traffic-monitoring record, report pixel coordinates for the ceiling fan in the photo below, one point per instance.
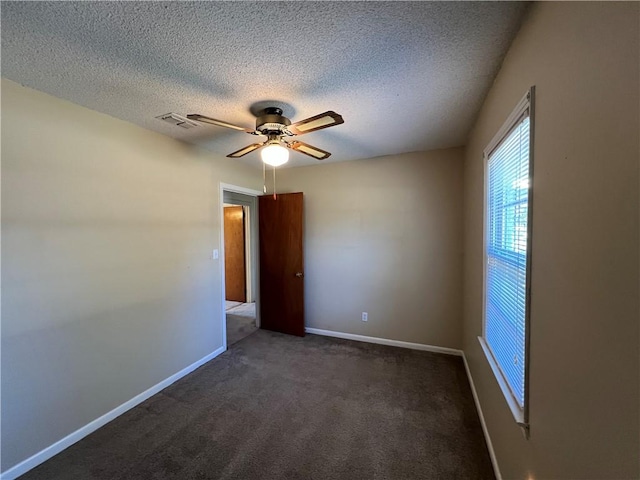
(279, 132)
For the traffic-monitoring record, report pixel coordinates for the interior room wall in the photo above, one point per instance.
(383, 236)
(109, 286)
(583, 59)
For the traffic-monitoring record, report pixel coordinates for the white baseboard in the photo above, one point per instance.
(487, 438)
(385, 341)
(45, 454)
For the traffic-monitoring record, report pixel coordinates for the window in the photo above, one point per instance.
(507, 214)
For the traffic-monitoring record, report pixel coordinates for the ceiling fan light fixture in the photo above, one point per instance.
(276, 127)
(275, 155)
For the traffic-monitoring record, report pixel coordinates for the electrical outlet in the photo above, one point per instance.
(214, 254)
(365, 316)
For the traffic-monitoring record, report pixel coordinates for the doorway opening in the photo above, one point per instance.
(240, 250)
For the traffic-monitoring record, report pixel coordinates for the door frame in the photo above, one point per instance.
(227, 187)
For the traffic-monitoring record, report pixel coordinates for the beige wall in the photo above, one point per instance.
(108, 285)
(583, 59)
(383, 235)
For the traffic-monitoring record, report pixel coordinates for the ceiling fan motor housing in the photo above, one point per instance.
(272, 121)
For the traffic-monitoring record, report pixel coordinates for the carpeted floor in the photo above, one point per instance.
(241, 320)
(282, 407)
(239, 327)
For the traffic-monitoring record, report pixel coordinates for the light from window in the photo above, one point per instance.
(507, 229)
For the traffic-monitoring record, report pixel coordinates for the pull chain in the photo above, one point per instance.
(274, 183)
(264, 178)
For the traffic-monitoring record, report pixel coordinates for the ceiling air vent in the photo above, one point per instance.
(178, 120)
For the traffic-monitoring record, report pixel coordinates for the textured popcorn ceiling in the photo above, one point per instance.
(406, 76)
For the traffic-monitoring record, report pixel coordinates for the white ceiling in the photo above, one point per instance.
(406, 76)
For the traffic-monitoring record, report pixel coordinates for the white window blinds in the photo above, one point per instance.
(507, 205)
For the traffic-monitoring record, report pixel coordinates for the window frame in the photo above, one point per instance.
(520, 414)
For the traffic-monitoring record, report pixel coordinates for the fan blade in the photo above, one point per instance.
(310, 150)
(243, 151)
(324, 120)
(219, 123)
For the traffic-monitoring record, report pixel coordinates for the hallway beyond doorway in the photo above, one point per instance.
(241, 320)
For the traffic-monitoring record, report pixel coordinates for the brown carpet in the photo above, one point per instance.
(239, 327)
(282, 407)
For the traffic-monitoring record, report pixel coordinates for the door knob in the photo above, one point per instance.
(299, 274)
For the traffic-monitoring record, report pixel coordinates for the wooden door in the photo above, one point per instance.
(281, 263)
(234, 258)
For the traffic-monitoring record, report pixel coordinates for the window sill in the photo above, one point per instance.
(516, 411)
